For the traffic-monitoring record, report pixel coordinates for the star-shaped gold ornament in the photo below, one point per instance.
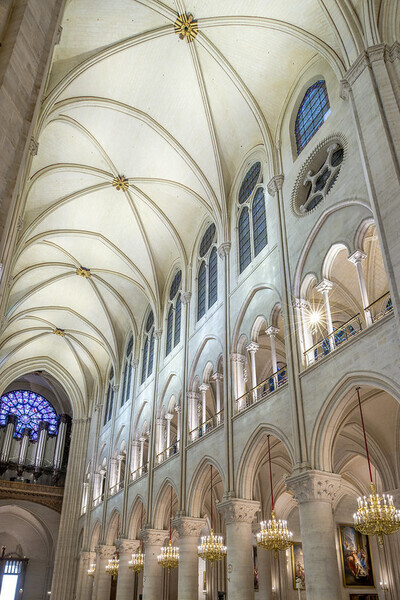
(121, 182)
(186, 26)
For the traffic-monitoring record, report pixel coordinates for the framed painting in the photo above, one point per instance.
(364, 597)
(298, 565)
(356, 558)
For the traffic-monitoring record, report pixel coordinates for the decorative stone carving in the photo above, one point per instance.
(237, 509)
(357, 257)
(185, 297)
(186, 27)
(252, 347)
(20, 223)
(126, 546)
(188, 526)
(104, 551)
(238, 358)
(272, 330)
(153, 537)
(57, 38)
(135, 363)
(158, 334)
(275, 184)
(33, 147)
(224, 249)
(314, 486)
(83, 272)
(120, 182)
(301, 303)
(324, 286)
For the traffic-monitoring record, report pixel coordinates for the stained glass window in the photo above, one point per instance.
(176, 282)
(213, 278)
(178, 311)
(311, 114)
(170, 324)
(259, 222)
(207, 240)
(150, 321)
(151, 356)
(30, 409)
(249, 182)
(244, 240)
(127, 372)
(144, 365)
(201, 291)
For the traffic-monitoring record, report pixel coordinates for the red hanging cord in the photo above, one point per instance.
(211, 496)
(270, 473)
(141, 525)
(170, 517)
(365, 435)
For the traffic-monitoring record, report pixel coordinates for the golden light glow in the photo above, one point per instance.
(137, 562)
(112, 567)
(212, 548)
(274, 535)
(92, 570)
(169, 557)
(376, 515)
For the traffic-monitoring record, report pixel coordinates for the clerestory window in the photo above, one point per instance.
(252, 224)
(313, 111)
(207, 278)
(148, 349)
(174, 313)
(126, 385)
(110, 398)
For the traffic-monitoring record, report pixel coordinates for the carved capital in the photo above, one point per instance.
(104, 551)
(357, 257)
(185, 297)
(237, 509)
(204, 387)
(224, 249)
(358, 66)
(127, 546)
(314, 486)
(157, 334)
(272, 331)
(217, 377)
(188, 526)
(238, 358)
(57, 38)
(301, 303)
(33, 147)
(344, 89)
(193, 395)
(135, 363)
(153, 537)
(324, 286)
(253, 347)
(275, 185)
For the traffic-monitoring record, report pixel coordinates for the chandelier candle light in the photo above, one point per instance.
(212, 546)
(137, 562)
(274, 535)
(376, 515)
(92, 570)
(169, 557)
(113, 566)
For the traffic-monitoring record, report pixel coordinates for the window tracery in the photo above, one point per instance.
(207, 279)
(30, 409)
(110, 398)
(148, 349)
(174, 313)
(313, 111)
(126, 386)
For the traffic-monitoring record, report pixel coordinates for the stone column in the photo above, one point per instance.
(141, 460)
(168, 418)
(203, 389)
(238, 362)
(160, 440)
(315, 491)
(218, 377)
(238, 515)
(178, 411)
(102, 580)
(252, 348)
(271, 332)
(356, 258)
(324, 287)
(301, 306)
(152, 572)
(193, 422)
(85, 583)
(65, 564)
(264, 574)
(189, 530)
(125, 575)
(135, 456)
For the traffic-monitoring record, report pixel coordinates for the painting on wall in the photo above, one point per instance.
(356, 558)
(364, 597)
(298, 565)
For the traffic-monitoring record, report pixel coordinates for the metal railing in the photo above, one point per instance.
(167, 452)
(380, 307)
(116, 488)
(139, 472)
(262, 390)
(340, 336)
(98, 500)
(206, 427)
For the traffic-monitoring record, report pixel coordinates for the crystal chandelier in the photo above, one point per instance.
(92, 570)
(212, 546)
(137, 562)
(274, 535)
(169, 557)
(376, 515)
(113, 566)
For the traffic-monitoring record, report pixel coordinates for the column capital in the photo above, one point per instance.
(169, 417)
(275, 184)
(272, 331)
(357, 257)
(301, 303)
(157, 334)
(153, 537)
(142, 439)
(105, 551)
(237, 509)
(126, 546)
(185, 297)
(217, 376)
(224, 249)
(193, 395)
(135, 363)
(252, 347)
(188, 526)
(324, 286)
(204, 387)
(313, 486)
(178, 408)
(238, 358)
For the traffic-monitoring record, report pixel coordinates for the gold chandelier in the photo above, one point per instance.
(376, 515)
(113, 566)
(169, 557)
(137, 562)
(91, 570)
(212, 546)
(274, 535)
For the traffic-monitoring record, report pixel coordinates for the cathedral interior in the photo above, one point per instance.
(199, 300)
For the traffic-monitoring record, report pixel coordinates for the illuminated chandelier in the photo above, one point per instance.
(274, 535)
(113, 566)
(376, 515)
(91, 570)
(212, 546)
(137, 562)
(169, 557)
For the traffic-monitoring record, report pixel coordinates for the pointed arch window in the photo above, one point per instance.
(126, 386)
(207, 278)
(313, 111)
(148, 348)
(252, 224)
(174, 313)
(110, 398)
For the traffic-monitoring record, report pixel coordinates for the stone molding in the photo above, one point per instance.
(324, 286)
(185, 297)
(238, 510)
(301, 303)
(314, 486)
(240, 358)
(157, 334)
(224, 249)
(126, 546)
(33, 146)
(272, 330)
(153, 537)
(104, 551)
(188, 526)
(252, 347)
(275, 184)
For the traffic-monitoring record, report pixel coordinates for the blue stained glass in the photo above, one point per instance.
(30, 409)
(150, 321)
(201, 291)
(176, 282)
(151, 356)
(111, 393)
(144, 365)
(170, 323)
(213, 278)
(259, 222)
(207, 240)
(129, 347)
(177, 329)
(311, 113)
(244, 240)
(249, 182)
(125, 384)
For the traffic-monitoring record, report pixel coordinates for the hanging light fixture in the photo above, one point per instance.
(169, 557)
(91, 570)
(274, 535)
(212, 546)
(137, 562)
(113, 566)
(376, 515)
